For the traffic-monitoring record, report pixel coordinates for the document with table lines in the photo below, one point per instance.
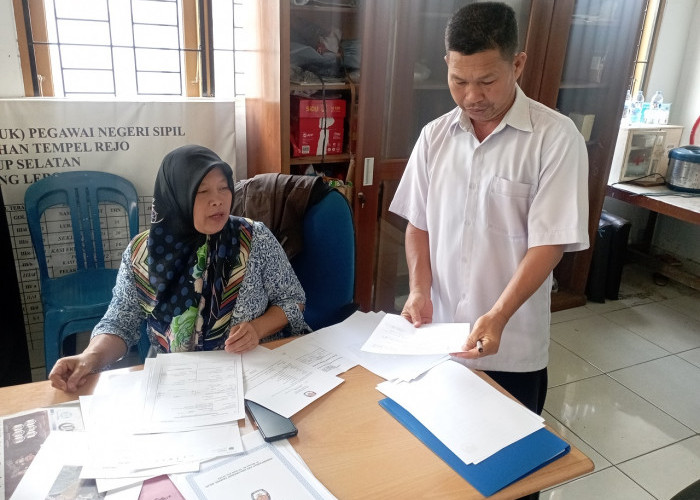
(192, 389)
(348, 337)
(114, 455)
(310, 350)
(281, 383)
(117, 453)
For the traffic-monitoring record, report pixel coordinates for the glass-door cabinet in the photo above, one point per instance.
(579, 56)
(597, 60)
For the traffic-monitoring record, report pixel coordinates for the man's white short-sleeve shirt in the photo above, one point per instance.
(484, 204)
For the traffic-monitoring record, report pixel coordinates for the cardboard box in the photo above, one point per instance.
(315, 124)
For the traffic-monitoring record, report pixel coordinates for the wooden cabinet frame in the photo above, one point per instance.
(547, 37)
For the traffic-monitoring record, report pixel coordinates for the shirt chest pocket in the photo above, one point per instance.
(508, 206)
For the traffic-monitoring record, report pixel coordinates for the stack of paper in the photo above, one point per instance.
(274, 468)
(486, 437)
(180, 411)
(344, 342)
(463, 411)
(264, 471)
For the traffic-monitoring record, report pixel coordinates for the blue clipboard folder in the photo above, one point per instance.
(500, 469)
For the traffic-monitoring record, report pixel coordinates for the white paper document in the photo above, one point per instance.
(395, 335)
(56, 469)
(114, 455)
(348, 337)
(119, 382)
(265, 471)
(118, 412)
(282, 384)
(110, 485)
(132, 492)
(309, 351)
(192, 389)
(469, 416)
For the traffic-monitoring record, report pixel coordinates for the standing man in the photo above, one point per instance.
(495, 191)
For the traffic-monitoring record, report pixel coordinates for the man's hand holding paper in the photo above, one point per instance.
(395, 335)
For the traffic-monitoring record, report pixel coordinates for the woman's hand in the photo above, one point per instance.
(242, 337)
(70, 373)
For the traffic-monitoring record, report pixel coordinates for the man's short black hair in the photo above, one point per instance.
(483, 26)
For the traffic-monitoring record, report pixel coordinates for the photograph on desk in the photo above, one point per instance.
(22, 435)
(68, 484)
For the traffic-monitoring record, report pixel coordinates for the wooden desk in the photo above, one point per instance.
(354, 447)
(666, 201)
(659, 200)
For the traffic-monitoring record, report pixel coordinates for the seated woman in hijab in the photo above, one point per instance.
(202, 279)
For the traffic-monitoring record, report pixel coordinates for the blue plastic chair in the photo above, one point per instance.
(76, 301)
(326, 265)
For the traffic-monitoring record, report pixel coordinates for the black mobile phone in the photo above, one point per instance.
(272, 426)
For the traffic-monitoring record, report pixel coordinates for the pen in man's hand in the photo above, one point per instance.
(479, 346)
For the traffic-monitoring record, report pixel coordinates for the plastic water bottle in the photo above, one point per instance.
(655, 108)
(637, 105)
(627, 110)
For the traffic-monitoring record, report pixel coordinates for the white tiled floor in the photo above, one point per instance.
(624, 387)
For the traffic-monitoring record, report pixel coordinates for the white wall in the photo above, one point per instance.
(11, 75)
(676, 72)
(688, 90)
(683, 239)
(676, 64)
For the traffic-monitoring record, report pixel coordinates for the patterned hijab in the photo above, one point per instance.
(187, 270)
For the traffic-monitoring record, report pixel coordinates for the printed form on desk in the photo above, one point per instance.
(192, 389)
(282, 384)
(273, 467)
(472, 418)
(264, 471)
(345, 339)
(180, 410)
(190, 403)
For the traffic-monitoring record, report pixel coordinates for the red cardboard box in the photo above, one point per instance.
(309, 129)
